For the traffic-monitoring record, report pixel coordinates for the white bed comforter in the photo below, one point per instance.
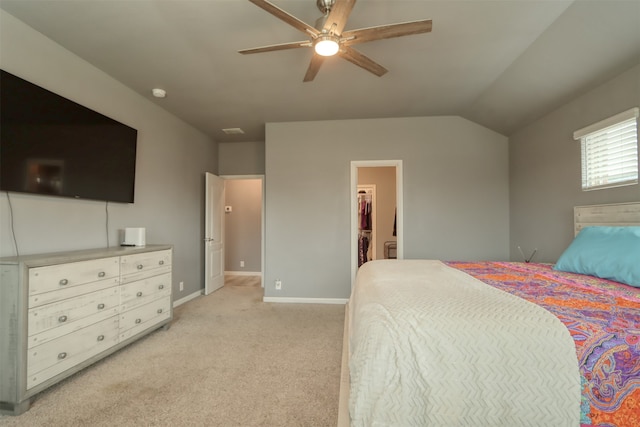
(433, 346)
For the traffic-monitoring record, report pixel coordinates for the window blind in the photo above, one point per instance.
(610, 152)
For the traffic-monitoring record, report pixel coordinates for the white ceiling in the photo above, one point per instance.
(500, 63)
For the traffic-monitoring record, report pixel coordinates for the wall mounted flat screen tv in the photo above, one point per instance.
(53, 146)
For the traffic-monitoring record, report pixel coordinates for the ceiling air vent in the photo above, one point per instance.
(233, 131)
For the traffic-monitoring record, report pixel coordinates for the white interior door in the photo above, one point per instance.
(214, 233)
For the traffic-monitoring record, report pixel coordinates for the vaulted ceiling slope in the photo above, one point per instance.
(501, 64)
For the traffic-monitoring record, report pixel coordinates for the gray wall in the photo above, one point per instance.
(384, 178)
(243, 225)
(171, 160)
(545, 169)
(456, 194)
(241, 158)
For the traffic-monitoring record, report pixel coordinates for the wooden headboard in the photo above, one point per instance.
(612, 215)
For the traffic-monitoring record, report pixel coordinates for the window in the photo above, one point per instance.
(610, 151)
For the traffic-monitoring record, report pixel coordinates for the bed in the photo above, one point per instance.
(501, 343)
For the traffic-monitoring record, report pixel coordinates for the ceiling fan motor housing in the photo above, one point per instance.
(325, 5)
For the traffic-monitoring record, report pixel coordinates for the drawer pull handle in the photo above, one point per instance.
(100, 337)
(140, 266)
(159, 310)
(62, 355)
(161, 262)
(102, 274)
(161, 287)
(138, 320)
(62, 319)
(63, 282)
(100, 306)
(139, 294)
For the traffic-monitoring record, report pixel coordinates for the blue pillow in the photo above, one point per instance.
(605, 252)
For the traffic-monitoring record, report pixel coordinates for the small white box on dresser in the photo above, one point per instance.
(61, 312)
(134, 236)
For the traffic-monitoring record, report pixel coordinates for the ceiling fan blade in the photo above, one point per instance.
(314, 67)
(274, 47)
(338, 16)
(359, 59)
(286, 17)
(386, 32)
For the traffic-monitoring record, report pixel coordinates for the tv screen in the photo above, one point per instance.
(51, 145)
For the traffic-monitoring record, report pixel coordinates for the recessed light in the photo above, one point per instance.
(159, 93)
(233, 131)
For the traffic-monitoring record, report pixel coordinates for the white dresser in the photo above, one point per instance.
(61, 312)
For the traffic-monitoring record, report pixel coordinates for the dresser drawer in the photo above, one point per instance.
(64, 276)
(144, 317)
(144, 291)
(139, 266)
(63, 294)
(50, 359)
(53, 320)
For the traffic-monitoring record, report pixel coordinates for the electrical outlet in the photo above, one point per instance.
(241, 263)
(278, 285)
(181, 286)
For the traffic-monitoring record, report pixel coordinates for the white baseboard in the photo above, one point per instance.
(286, 300)
(242, 273)
(187, 298)
(294, 300)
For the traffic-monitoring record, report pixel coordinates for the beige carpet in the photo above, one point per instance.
(228, 360)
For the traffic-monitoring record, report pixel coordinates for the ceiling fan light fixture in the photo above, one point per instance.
(326, 45)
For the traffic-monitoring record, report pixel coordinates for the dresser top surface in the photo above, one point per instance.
(80, 255)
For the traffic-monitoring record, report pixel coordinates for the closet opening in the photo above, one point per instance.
(366, 222)
(376, 213)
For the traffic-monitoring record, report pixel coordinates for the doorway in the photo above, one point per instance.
(385, 223)
(244, 228)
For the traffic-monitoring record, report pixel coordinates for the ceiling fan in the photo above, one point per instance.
(328, 38)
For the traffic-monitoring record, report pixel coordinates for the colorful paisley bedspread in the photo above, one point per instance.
(603, 318)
